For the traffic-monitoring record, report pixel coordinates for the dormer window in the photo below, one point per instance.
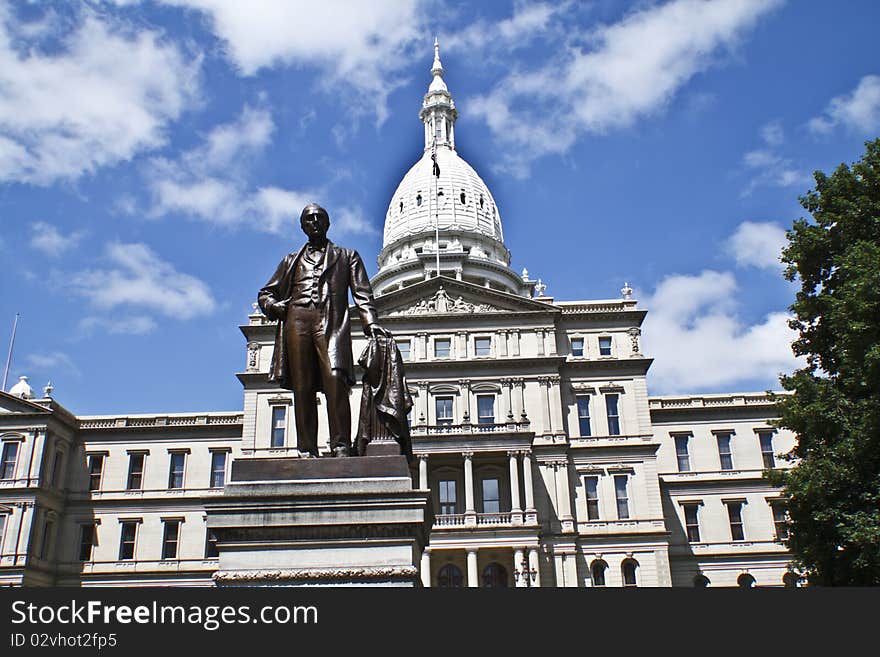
(463, 198)
(418, 199)
(481, 201)
(401, 206)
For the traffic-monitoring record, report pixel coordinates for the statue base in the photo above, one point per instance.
(354, 521)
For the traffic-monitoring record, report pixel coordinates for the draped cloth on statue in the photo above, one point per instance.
(385, 400)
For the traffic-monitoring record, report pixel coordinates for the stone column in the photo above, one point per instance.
(523, 416)
(507, 385)
(540, 335)
(529, 485)
(563, 496)
(469, 510)
(426, 568)
(424, 416)
(515, 508)
(514, 342)
(501, 342)
(518, 559)
(465, 390)
(535, 565)
(551, 339)
(473, 574)
(423, 471)
(555, 397)
(462, 345)
(423, 346)
(544, 382)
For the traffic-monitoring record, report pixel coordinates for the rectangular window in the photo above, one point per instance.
(483, 346)
(605, 345)
(96, 471)
(577, 346)
(724, 454)
(7, 462)
(127, 538)
(135, 471)
(404, 347)
(591, 484)
(613, 416)
(681, 453)
(175, 470)
(583, 406)
(2, 528)
(442, 347)
(692, 522)
(443, 406)
(620, 493)
(780, 518)
(86, 541)
(170, 539)
(279, 425)
(734, 514)
(485, 409)
(491, 497)
(218, 469)
(46, 543)
(766, 439)
(211, 551)
(447, 497)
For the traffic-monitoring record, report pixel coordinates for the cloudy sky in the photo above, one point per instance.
(154, 157)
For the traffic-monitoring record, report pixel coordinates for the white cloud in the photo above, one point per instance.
(102, 94)
(141, 279)
(757, 244)
(52, 362)
(210, 183)
(135, 325)
(858, 111)
(634, 67)
(358, 44)
(48, 239)
(692, 321)
(767, 167)
(527, 22)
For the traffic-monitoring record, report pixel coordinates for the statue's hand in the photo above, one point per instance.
(376, 331)
(279, 308)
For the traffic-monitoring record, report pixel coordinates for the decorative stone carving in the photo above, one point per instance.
(253, 360)
(441, 302)
(634, 334)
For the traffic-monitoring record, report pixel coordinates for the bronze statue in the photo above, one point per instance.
(308, 295)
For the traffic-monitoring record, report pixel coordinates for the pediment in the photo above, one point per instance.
(12, 404)
(447, 296)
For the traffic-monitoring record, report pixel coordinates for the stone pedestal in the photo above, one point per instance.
(353, 521)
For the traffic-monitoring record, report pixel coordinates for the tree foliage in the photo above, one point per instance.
(833, 489)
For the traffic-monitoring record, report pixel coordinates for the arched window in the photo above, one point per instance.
(494, 576)
(449, 577)
(628, 570)
(597, 571)
(481, 201)
(418, 199)
(463, 198)
(791, 580)
(745, 581)
(701, 581)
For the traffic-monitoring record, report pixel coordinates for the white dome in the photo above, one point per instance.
(462, 202)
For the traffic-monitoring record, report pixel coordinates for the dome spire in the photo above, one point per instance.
(438, 109)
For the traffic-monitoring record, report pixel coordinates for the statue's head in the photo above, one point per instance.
(314, 221)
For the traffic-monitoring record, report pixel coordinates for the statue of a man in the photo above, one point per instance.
(308, 295)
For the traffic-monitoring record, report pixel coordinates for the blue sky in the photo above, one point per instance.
(154, 157)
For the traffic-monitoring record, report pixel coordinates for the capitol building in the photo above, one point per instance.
(547, 460)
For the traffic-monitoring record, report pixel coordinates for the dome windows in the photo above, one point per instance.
(418, 199)
(401, 207)
(481, 201)
(463, 198)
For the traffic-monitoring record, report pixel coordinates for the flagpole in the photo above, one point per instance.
(436, 172)
(9, 355)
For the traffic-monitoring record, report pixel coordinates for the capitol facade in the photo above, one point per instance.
(548, 462)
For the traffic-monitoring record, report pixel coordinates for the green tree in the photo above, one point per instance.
(833, 489)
